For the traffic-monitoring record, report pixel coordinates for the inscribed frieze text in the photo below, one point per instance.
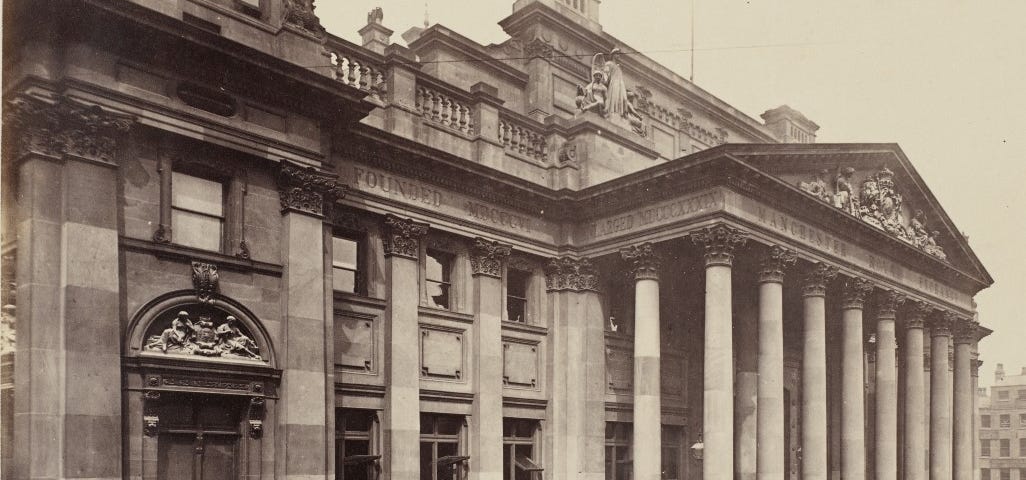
(662, 213)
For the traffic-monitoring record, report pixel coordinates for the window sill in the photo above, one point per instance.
(179, 252)
(358, 298)
(433, 312)
(528, 328)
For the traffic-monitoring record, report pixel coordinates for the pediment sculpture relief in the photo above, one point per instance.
(607, 94)
(203, 338)
(877, 203)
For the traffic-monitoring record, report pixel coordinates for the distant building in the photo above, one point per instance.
(1002, 421)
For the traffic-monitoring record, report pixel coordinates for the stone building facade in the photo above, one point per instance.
(1002, 427)
(238, 246)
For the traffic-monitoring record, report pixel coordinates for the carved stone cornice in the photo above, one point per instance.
(205, 280)
(300, 14)
(941, 323)
(643, 261)
(888, 302)
(305, 189)
(773, 264)
(402, 236)
(965, 330)
(719, 241)
(486, 257)
(570, 274)
(66, 126)
(816, 279)
(854, 292)
(917, 312)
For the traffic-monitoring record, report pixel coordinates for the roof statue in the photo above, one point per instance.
(607, 94)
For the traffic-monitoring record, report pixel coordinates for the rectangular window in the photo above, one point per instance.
(1022, 423)
(355, 455)
(1006, 447)
(197, 212)
(438, 277)
(345, 264)
(519, 452)
(440, 457)
(1006, 474)
(984, 474)
(618, 451)
(1020, 395)
(985, 422)
(1006, 421)
(985, 448)
(516, 295)
(672, 453)
(1002, 394)
(1022, 450)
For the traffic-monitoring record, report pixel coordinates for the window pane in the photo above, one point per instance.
(195, 230)
(449, 425)
(343, 280)
(344, 252)
(438, 265)
(427, 463)
(197, 194)
(358, 420)
(515, 309)
(439, 294)
(447, 472)
(516, 283)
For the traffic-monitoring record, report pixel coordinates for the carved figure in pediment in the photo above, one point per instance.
(844, 193)
(932, 248)
(817, 187)
(917, 229)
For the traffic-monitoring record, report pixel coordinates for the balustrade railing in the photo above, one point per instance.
(518, 137)
(445, 109)
(355, 70)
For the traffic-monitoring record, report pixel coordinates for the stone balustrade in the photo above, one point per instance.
(445, 109)
(355, 70)
(518, 137)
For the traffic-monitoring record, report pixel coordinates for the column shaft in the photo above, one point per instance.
(486, 262)
(853, 406)
(886, 401)
(814, 373)
(770, 429)
(647, 407)
(853, 411)
(915, 397)
(718, 399)
(940, 401)
(965, 334)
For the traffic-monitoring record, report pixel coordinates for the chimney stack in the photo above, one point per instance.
(375, 35)
(999, 373)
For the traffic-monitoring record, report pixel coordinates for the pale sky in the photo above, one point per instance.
(946, 80)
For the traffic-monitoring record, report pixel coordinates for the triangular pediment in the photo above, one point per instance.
(874, 183)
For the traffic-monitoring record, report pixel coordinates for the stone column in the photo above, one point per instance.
(915, 396)
(853, 408)
(770, 405)
(401, 425)
(647, 446)
(68, 397)
(940, 397)
(814, 372)
(305, 194)
(886, 431)
(486, 259)
(577, 346)
(719, 243)
(965, 336)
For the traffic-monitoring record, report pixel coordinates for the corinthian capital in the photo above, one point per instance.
(854, 292)
(773, 264)
(917, 313)
(965, 330)
(942, 322)
(888, 302)
(719, 241)
(643, 260)
(402, 236)
(486, 257)
(569, 273)
(817, 278)
(307, 189)
(65, 126)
